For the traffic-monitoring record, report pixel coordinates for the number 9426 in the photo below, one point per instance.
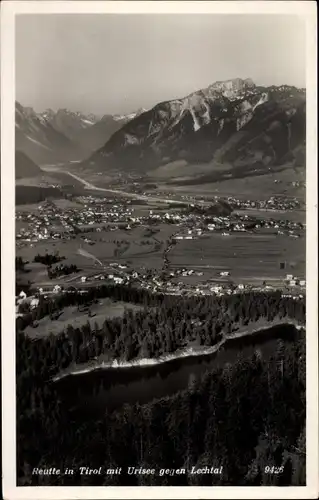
(274, 470)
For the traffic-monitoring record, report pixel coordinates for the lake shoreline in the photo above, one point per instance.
(184, 353)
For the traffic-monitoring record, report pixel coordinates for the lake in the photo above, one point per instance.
(110, 388)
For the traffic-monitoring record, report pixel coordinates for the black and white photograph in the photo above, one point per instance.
(163, 192)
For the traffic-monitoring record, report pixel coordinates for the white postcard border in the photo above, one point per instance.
(11, 8)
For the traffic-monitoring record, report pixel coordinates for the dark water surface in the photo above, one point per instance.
(110, 388)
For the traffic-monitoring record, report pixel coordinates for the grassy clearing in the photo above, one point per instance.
(106, 308)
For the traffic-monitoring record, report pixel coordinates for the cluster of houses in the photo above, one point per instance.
(272, 203)
(159, 285)
(41, 291)
(293, 281)
(226, 225)
(95, 214)
(51, 222)
(33, 300)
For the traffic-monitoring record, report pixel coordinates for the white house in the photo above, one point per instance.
(224, 273)
(34, 303)
(83, 279)
(118, 280)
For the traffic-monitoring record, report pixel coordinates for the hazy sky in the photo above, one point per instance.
(117, 63)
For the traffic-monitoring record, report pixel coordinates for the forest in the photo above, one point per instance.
(35, 194)
(165, 324)
(62, 270)
(48, 259)
(248, 417)
(20, 264)
(220, 208)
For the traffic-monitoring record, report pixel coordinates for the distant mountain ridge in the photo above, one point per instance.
(68, 122)
(231, 122)
(63, 135)
(129, 116)
(99, 133)
(36, 136)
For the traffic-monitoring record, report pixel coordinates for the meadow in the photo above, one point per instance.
(252, 258)
(104, 309)
(136, 249)
(251, 187)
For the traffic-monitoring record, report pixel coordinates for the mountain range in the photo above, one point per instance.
(100, 132)
(64, 135)
(232, 125)
(36, 136)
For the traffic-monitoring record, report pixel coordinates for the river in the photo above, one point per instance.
(111, 388)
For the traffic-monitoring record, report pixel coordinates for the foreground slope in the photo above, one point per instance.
(24, 167)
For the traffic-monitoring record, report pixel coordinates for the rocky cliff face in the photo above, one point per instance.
(233, 122)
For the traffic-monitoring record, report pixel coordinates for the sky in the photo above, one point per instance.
(117, 63)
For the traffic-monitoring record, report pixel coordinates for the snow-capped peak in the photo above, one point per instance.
(129, 116)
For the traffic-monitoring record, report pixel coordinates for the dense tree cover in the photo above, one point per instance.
(20, 264)
(220, 208)
(248, 417)
(36, 194)
(48, 259)
(62, 270)
(165, 324)
(22, 285)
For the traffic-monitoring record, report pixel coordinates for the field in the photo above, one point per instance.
(249, 258)
(293, 215)
(254, 187)
(180, 169)
(41, 180)
(136, 249)
(106, 308)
